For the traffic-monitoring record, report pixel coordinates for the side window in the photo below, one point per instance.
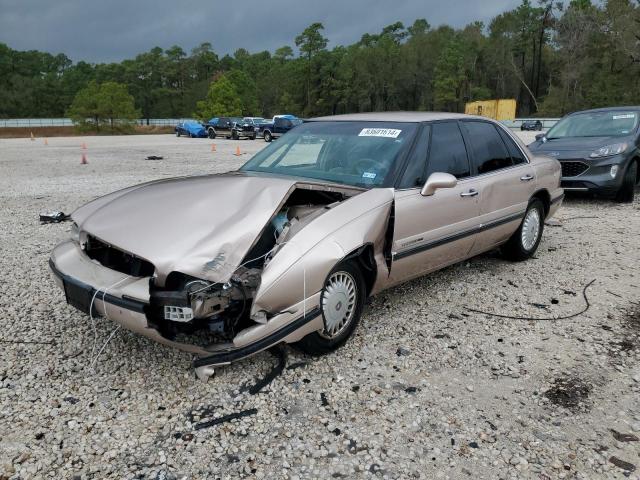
(516, 154)
(487, 147)
(414, 174)
(448, 153)
(278, 122)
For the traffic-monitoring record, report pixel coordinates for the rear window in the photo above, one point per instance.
(488, 150)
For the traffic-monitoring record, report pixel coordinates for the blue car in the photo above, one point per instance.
(191, 128)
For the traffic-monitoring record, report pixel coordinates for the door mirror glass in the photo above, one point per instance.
(540, 136)
(438, 180)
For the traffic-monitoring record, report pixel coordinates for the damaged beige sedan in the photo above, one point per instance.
(288, 248)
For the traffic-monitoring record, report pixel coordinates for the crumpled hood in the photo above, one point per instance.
(203, 226)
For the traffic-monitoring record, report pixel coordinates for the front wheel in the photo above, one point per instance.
(341, 302)
(177, 133)
(524, 242)
(267, 136)
(212, 133)
(627, 190)
(234, 135)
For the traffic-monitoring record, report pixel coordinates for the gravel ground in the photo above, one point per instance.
(427, 388)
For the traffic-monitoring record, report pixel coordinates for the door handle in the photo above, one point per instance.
(527, 178)
(470, 193)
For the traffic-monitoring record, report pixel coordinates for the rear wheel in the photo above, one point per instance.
(177, 133)
(341, 302)
(267, 136)
(524, 242)
(627, 190)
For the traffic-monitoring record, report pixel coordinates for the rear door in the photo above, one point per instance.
(505, 178)
(435, 231)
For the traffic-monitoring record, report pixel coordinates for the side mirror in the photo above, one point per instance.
(540, 136)
(438, 180)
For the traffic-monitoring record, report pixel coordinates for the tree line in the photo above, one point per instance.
(552, 57)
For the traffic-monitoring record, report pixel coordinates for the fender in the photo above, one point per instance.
(299, 269)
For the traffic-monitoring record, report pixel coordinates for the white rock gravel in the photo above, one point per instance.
(425, 388)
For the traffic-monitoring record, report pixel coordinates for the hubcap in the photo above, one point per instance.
(530, 229)
(338, 304)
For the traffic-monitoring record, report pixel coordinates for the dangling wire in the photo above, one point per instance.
(93, 320)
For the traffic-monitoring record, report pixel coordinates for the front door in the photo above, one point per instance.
(434, 231)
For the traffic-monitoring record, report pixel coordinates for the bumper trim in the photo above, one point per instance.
(229, 356)
(127, 303)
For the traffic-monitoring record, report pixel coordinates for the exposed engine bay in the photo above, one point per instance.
(202, 312)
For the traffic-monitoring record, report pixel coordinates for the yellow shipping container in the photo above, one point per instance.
(503, 109)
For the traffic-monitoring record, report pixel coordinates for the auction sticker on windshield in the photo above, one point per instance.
(626, 115)
(380, 132)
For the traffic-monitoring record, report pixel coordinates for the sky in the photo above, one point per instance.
(112, 30)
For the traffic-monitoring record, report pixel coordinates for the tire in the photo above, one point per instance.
(252, 137)
(524, 242)
(234, 135)
(345, 275)
(177, 133)
(267, 136)
(212, 133)
(627, 190)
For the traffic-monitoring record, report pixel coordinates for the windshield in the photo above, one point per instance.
(595, 124)
(354, 153)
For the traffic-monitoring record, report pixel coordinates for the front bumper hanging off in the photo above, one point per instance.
(95, 289)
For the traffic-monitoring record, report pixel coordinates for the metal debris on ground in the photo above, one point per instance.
(226, 418)
(629, 467)
(54, 217)
(277, 370)
(624, 437)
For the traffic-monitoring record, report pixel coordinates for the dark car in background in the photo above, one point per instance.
(598, 151)
(280, 125)
(220, 126)
(246, 128)
(190, 128)
(531, 125)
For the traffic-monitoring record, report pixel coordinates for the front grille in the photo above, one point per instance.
(573, 169)
(117, 260)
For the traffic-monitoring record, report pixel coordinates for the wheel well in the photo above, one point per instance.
(545, 198)
(365, 259)
(637, 160)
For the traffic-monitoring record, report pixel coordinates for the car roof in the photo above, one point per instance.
(402, 117)
(608, 109)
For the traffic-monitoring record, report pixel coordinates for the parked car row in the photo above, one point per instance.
(237, 128)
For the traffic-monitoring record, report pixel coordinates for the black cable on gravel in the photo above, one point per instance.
(550, 319)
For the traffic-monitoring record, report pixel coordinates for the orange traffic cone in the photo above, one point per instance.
(84, 146)
(46, 142)
(83, 161)
(213, 147)
(238, 153)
